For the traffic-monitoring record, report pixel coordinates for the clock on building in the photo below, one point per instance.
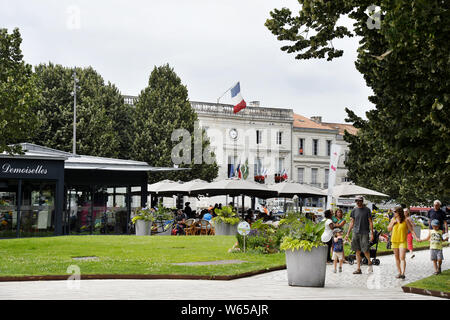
(233, 134)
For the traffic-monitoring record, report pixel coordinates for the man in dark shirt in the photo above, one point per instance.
(361, 223)
(188, 210)
(438, 214)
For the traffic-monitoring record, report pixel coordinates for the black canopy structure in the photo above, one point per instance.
(40, 188)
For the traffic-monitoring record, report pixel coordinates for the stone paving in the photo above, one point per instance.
(381, 284)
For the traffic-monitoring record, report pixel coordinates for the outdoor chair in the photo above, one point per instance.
(204, 227)
(190, 229)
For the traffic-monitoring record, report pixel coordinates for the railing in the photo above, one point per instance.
(227, 109)
(250, 112)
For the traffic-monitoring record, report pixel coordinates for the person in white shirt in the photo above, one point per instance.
(327, 234)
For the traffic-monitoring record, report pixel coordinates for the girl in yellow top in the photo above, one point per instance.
(399, 227)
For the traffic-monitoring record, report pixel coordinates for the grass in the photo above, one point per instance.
(128, 255)
(440, 282)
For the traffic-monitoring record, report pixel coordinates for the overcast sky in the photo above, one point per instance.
(210, 44)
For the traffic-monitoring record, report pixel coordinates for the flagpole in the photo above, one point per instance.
(225, 92)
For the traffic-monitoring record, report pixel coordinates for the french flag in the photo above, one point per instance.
(236, 96)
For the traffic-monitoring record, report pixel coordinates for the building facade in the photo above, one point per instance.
(255, 140)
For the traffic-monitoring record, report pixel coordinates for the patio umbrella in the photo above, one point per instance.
(291, 189)
(180, 187)
(348, 189)
(234, 187)
(160, 185)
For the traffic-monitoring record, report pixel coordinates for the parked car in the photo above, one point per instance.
(421, 219)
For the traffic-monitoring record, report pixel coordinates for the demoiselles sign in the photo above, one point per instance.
(31, 169)
(38, 169)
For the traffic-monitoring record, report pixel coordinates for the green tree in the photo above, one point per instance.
(18, 93)
(98, 110)
(402, 148)
(161, 108)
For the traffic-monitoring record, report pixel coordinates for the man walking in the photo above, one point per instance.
(436, 213)
(361, 223)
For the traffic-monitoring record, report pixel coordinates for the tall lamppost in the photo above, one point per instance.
(74, 93)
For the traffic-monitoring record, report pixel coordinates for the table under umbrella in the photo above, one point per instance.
(290, 189)
(234, 187)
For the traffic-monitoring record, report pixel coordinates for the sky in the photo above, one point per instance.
(210, 44)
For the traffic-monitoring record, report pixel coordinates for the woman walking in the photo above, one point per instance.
(409, 238)
(399, 226)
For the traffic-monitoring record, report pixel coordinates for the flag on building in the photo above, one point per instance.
(284, 175)
(236, 96)
(231, 171)
(239, 172)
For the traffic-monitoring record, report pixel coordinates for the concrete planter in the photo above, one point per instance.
(307, 268)
(225, 229)
(143, 228)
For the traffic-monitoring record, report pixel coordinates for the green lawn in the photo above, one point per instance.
(440, 282)
(128, 255)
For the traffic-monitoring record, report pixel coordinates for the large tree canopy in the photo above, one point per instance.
(18, 93)
(403, 147)
(161, 108)
(100, 109)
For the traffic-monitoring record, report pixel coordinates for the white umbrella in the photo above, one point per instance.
(290, 189)
(183, 188)
(160, 185)
(234, 187)
(348, 189)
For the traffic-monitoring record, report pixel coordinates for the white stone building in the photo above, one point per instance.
(272, 141)
(262, 137)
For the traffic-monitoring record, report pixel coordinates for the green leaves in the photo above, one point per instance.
(163, 107)
(18, 93)
(226, 215)
(402, 149)
(303, 233)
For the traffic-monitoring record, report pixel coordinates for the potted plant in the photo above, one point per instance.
(306, 254)
(143, 221)
(226, 221)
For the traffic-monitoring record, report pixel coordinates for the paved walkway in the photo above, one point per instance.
(381, 284)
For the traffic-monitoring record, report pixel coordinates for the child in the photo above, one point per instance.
(435, 237)
(338, 248)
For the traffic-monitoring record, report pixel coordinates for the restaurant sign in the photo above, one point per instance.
(38, 169)
(31, 168)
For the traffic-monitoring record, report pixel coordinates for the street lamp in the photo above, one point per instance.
(74, 93)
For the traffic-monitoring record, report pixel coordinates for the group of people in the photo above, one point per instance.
(402, 232)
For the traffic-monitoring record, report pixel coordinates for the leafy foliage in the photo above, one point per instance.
(100, 112)
(226, 215)
(18, 93)
(263, 238)
(402, 149)
(161, 108)
(304, 234)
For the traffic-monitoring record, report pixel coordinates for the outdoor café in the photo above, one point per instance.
(46, 192)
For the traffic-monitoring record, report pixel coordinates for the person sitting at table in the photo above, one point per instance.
(207, 216)
(180, 222)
